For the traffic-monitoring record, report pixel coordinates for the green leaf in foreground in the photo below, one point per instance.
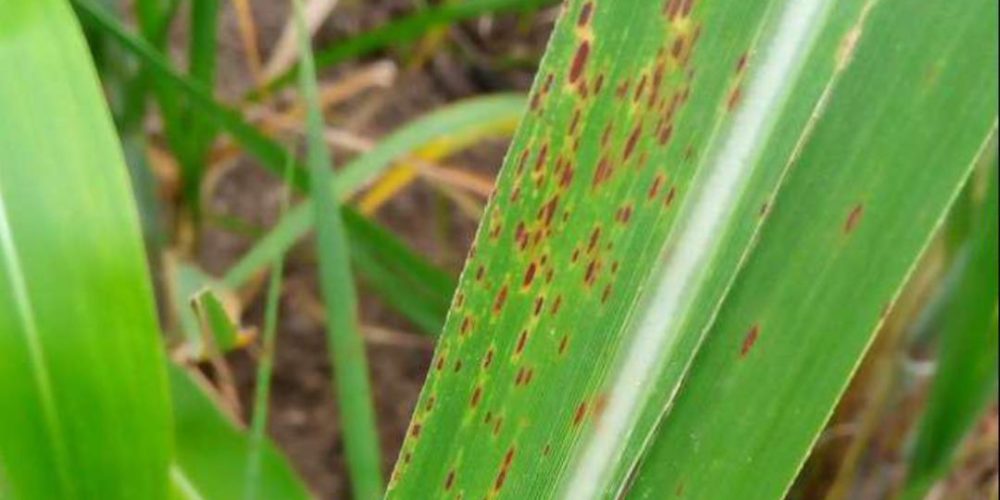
(728, 193)
(966, 378)
(210, 450)
(347, 349)
(83, 403)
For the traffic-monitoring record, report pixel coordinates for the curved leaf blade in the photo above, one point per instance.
(83, 406)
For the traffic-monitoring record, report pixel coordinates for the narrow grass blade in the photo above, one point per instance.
(966, 377)
(198, 131)
(665, 174)
(347, 350)
(401, 31)
(262, 393)
(265, 366)
(83, 403)
(210, 450)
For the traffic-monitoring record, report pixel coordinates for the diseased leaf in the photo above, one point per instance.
(705, 196)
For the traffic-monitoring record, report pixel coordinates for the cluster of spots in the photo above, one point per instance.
(515, 329)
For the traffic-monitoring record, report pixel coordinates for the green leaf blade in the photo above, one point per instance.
(781, 352)
(84, 410)
(347, 350)
(625, 150)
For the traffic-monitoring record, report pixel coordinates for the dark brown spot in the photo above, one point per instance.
(853, 218)
(669, 199)
(500, 300)
(488, 358)
(449, 481)
(415, 430)
(677, 49)
(603, 171)
(477, 395)
(632, 140)
(750, 339)
(654, 189)
(741, 63)
(501, 477)
(622, 89)
(595, 235)
(578, 415)
(540, 161)
(556, 304)
(664, 136)
(579, 61)
(591, 273)
(529, 274)
(639, 89)
(734, 98)
(574, 121)
(585, 13)
(522, 160)
(458, 365)
(466, 325)
(521, 341)
(563, 344)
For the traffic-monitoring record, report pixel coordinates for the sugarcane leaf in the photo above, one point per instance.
(84, 409)
(665, 178)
